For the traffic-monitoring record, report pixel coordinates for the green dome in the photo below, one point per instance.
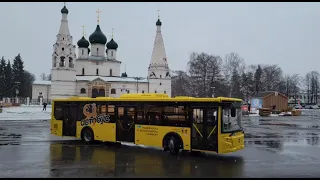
(64, 10)
(112, 44)
(83, 43)
(98, 37)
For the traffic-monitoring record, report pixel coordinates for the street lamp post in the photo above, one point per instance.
(212, 91)
(137, 78)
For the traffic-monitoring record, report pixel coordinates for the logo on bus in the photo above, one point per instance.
(91, 116)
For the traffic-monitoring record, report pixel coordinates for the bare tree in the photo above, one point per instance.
(233, 66)
(43, 77)
(205, 71)
(180, 84)
(271, 77)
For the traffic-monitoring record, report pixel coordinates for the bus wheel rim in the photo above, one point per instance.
(87, 136)
(171, 144)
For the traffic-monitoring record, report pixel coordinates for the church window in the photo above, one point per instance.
(155, 91)
(62, 38)
(71, 65)
(110, 72)
(97, 51)
(82, 90)
(160, 84)
(62, 49)
(82, 51)
(113, 91)
(112, 53)
(165, 92)
(82, 71)
(62, 62)
(128, 91)
(160, 76)
(142, 91)
(97, 71)
(54, 61)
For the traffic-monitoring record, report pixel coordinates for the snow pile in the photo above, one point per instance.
(25, 113)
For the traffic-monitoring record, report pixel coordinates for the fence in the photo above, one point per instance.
(25, 101)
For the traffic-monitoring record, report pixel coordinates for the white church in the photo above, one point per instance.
(95, 70)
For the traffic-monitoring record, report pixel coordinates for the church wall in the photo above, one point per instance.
(90, 68)
(165, 87)
(41, 90)
(62, 89)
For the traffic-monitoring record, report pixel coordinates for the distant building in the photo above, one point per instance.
(95, 70)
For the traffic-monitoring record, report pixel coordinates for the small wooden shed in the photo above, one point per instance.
(268, 99)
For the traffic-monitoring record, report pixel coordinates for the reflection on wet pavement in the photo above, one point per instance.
(126, 161)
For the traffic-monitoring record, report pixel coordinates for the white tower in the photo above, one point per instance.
(159, 72)
(63, 72)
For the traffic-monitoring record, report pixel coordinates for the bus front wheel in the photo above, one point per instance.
(173, 145)
(87, 135)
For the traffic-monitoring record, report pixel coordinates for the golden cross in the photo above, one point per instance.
(158, 14)
(98, 15)
(112, 32)
(83, 33)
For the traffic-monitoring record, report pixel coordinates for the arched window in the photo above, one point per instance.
(82, 71)
(62, 62)
(71, 62)
(111, 53)
(142, 91)
(110, 72)
(82, 51)
(113, 91)
(55, 61)
(82, 90)
(97, 71)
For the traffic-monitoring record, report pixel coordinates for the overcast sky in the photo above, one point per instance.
(286, 34)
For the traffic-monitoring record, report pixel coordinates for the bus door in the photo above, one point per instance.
(70, 112)
(126, 116)
(204, 129)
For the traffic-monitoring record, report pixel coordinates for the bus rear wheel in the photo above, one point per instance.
(87, 135)
(173, 145)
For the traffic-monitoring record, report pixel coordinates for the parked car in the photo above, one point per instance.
(297, 106)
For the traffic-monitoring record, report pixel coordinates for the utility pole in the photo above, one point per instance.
(137, 78)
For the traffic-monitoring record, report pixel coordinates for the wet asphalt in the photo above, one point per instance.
(275, 147)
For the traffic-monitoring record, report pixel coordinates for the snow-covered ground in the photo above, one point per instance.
(25, 113)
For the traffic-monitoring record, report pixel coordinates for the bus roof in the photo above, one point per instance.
(151, 97)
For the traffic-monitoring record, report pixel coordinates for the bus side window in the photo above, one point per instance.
(58, 112)
(175, 116)
(141, 119)
(153, 115)
(111, 112)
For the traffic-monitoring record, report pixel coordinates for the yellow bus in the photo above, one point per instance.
(174, 124)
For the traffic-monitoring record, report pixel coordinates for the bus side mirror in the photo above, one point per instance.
(233, 111)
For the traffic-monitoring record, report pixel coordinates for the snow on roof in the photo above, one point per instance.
(42, 82)
(110, 79)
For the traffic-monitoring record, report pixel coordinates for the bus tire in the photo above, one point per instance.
(173, 145)
(87, 135)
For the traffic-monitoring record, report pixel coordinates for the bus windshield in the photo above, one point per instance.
(229, 123)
